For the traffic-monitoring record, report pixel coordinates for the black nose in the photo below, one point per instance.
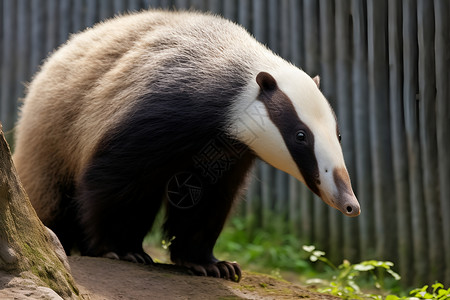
(352, 209)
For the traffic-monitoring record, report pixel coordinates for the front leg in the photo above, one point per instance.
(197, 209)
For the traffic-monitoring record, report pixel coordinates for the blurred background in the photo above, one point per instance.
(384, 67)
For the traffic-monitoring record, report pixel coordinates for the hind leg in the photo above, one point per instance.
(50, 190)
(116, 212)
(196, 227)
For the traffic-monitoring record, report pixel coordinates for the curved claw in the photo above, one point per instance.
(147, 259)
(234, 269)
(220, 269)
(111, 255)
(135, 257)
(213, 270)
(198, 270)
(224, 270)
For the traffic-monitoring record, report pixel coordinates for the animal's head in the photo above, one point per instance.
(291, 126)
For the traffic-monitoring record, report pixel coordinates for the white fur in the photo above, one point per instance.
(254, 127)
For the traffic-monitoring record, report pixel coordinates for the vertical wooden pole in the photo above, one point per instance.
(363, 166)
(135, 5)
(296, 36)
(229, 10)
(52, 21)
(259, 10)
(427, 116)
(243, 13)
(8, 93)
(77, 13)
(91, 13)
(327, 51)
(198, 4)
(252, 204)
(65, 12)
(285, 30)
(442, 46)
(165, 4)
(37, 35)
(266, 193)
(385, 212)
(181, 4)
(306, 214)
(23, 48)
(273, 28)
(311, 31)
(410, 88)
(119, 6)
(400, 161)
(294, 207)
(215, 6)
(106, 9)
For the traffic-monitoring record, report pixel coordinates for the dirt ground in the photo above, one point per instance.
(101, 278)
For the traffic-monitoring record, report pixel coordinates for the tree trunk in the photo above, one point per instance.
(27, 248)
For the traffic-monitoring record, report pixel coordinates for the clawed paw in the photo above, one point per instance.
(220, 269)
(140, 258)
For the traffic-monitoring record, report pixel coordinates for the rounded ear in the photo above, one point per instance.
(266, 82)
(317, 80)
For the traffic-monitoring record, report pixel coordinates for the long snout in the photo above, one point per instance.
(343, 199)
(348, 205)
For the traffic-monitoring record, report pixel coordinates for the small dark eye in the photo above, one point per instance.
(339, 137)
(300, 136)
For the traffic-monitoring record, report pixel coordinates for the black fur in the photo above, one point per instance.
(124, 185)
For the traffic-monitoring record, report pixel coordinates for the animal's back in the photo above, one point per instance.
(96, 78)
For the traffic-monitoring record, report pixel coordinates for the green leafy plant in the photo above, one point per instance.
(344, 283)
(437, 291)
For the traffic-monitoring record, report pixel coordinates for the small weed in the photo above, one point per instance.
(166, 244)
(344, 283)
(276, 273)
(437, 291)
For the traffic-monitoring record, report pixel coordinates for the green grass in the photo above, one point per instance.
(259, 249)
(272, 251)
